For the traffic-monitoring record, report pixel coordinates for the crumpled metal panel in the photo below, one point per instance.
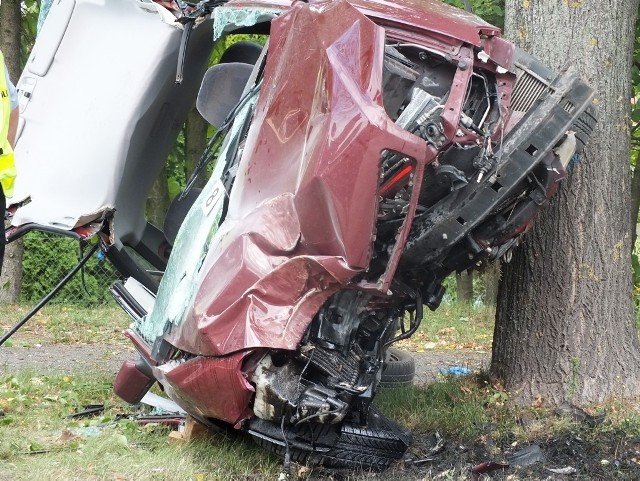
(302, 211)
(417, 15)
(209, 387)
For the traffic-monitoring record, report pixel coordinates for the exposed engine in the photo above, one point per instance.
(333, 376)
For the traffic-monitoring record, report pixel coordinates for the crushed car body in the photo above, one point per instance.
(363, 153)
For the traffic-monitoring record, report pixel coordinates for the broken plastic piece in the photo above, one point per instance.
(455, 371)
(160, 403)
(577, 414)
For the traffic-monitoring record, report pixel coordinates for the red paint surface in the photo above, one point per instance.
(302, 212)
(411, 15)
(211, 387)
(301, 216)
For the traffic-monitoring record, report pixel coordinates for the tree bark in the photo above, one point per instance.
(11, 278)
(635, 204)
(464, 286)
(491, 282)
(158, 200)
(10, 36)
(564, 322)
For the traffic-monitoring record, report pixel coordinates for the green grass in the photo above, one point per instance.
(456, 407)
(36, 438)
(66, 324)
(454, 326)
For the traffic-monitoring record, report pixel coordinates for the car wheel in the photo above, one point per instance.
(398, 370)
(373, 447)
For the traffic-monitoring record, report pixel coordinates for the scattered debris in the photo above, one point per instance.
(439, 444)
(165, 419)
(163, 404)
(486, 467)
(67, 436)
(455, 371)
(526, 457)
(88, 431)
(567, 470)
(189, 431)
(577, 414)
(432, 455)
(88, 410)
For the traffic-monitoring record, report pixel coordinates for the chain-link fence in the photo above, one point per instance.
(48, 258)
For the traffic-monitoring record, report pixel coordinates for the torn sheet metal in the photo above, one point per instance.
(297, 228)
(209, 387)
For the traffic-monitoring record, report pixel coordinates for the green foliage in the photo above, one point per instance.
(28, 27)
(49, 258)
(490, 10)
(176, 172)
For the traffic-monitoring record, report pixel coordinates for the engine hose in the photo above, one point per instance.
(416, 324)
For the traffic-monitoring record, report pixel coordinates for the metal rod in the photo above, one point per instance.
(53, 292)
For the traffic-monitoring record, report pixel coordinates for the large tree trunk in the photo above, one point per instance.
(10, 36)
(491, 282)
(635, 203)
(11, 278)
(464, 286)
(564, 322)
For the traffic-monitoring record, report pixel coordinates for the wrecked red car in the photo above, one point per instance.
(365, 152)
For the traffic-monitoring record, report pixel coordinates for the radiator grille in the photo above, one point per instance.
(527, 90)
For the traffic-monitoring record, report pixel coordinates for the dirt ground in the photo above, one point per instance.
(65, 358)
(575, 456)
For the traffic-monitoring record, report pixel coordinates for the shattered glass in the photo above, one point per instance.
(191, 246)
(227, 19)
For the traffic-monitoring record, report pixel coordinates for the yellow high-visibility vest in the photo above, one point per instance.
(7, 165)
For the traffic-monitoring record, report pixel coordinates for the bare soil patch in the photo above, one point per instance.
(64, 358)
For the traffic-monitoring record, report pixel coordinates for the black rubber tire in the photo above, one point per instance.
(398, 370)
(373, 447)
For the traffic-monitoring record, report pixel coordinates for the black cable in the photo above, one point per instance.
(286, 468)
(412, 328)
(53, 292)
